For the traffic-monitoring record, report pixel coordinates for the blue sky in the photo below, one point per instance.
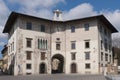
(71, 9)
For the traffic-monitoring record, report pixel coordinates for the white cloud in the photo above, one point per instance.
(35, 4)
(80, 11)
(86, 9)
(113, 17)
(2, 43)
(2, 36)
(40, 8)
(4, 11)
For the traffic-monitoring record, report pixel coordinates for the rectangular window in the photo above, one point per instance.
(13, 46)
(28, 66)
(73, 56)
(42, 28)
(87, 66)
(106, 45)
(100, 28)
(101, 45)
(72, 29)
(29, 26)
(29, 42)
(39, 44)
(87, 44)
(101, 56)
(57, 46)
(87, 55)
(86, 26)
(28, 55)
(106, 57)
(42, 55)
(73, 44)
(105, 32)
(110, 58)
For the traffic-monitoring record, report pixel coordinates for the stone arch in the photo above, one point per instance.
(57, 63)
(73, 68)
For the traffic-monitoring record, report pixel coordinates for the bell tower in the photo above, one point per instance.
(57, 15)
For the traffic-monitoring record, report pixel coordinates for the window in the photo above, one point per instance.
(101, 45)
(106, 57)
(86, 26)
(42, 44)
(73, 55)
(39, 44)
(87, 44)
(105, 31)
(73, 44)
(28, 55)
(106, 45)
(13, 46)
(110, 58)
(29, 42)
(87, 66)
(101, 65)
(57, 39)
(87, 55)
(42, 55)
(42, 28)
(28, 66)
(100, 28)
(29, 26)
(57, 46)
(101, 56)
(72, 29)
(109, 47)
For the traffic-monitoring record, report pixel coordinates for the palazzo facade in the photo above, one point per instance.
(41, 46)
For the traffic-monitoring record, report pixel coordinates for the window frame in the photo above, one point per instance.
(87, 55)
(87, 26)
(29, 25)
(58, 46)
(73, 55)
(72, 29)
(87, 44)
(29, 42)
(42, 28)
(87, 66)
(28, 66)
(43, 56)
(73, 45)
(28, 57)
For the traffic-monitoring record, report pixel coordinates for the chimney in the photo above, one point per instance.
(57, 15)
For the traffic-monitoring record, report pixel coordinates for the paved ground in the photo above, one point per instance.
(113, 77)
(54, 77)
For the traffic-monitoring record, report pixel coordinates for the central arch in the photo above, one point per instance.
(57, 64)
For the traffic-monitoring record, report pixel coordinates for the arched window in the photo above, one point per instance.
(39, 43)
(42, 44)
(73, 68)
(46, 44)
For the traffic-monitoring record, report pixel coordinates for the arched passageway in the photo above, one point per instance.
(57, 64)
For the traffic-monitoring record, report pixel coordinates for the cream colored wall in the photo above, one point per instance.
(65, 35)
(80, 36)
